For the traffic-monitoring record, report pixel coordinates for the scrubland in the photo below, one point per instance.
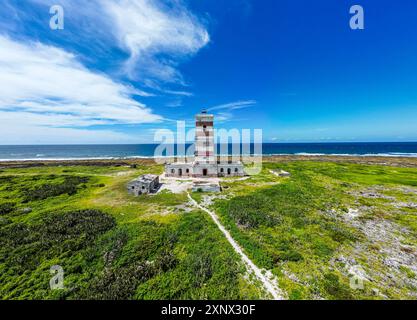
(329, 223)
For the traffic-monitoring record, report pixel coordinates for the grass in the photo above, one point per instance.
(115, 246)
(111, 245)
(296, 226)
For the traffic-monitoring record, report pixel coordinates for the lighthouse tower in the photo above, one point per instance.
(205, 164)
(204, 139)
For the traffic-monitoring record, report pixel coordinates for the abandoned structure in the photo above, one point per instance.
(205, 164)
(145, 184)
(202, 186)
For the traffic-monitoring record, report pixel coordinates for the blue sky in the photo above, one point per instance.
(122, 69)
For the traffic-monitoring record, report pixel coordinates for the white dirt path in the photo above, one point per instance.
(269, 282)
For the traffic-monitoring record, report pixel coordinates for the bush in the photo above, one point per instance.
(69, 186)
(23, 246)
(6, 208)
(6, 179)
(152, 256)
(99, 185)
(334, 288)
(201, 268)
(4, 221)
(252, 211)
(85, 224)
(118, 284)
(290, 255)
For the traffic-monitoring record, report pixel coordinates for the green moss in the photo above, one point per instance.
(410, 273)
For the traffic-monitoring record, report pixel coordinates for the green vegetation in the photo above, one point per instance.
(301, 228)
(310, 230)
(110, 245)
(68, 186)
(6, 208)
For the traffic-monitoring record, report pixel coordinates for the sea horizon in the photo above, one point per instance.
(147, 151)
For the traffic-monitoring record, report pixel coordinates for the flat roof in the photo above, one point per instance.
(146, 178)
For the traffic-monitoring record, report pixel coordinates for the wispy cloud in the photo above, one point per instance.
(50, 87)
(157, 35)
(224, 112)
(234, 105)
(47, 86)
(179, 93)
(148, 29)
(37, 78)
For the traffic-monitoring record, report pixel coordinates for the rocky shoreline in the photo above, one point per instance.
(368, 160)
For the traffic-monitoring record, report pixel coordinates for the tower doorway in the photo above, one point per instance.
(205, 172)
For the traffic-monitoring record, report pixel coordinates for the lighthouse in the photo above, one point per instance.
(205, 164)
(204, 138)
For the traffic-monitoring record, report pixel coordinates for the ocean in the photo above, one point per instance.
(69, 152)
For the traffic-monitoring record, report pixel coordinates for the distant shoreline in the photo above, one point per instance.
(140, 151)
(400, 161)
(301, 154)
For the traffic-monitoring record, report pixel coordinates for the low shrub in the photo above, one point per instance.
(69, 186)
(99, 185)
(336, 289)
(6, 208)
(252, 211)
(23, 246)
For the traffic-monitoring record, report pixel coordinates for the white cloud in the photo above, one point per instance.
(225, 111)
(234, 105)
(156, 34)
(45, 86)
(44, 79)
(224, 116)
(148, 28)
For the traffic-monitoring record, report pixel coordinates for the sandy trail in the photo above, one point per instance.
(265, 277)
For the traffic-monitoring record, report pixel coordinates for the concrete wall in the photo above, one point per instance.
(179, 170)
(206, 187)
(202, 170)
(138, 187)
(205, 170)
(231, 170)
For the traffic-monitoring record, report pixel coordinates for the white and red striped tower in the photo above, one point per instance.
(204, 139)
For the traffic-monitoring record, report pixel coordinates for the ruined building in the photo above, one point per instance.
(145, 184)
(205, 164)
